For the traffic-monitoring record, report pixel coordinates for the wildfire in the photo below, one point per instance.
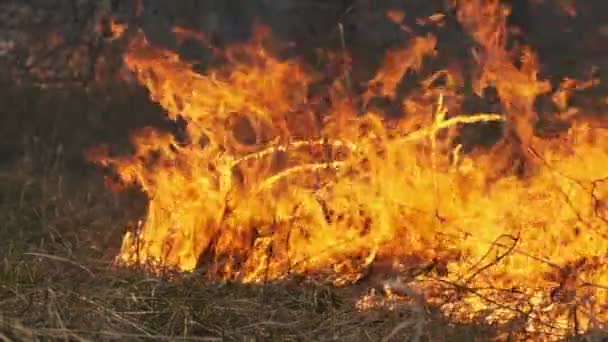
(271, 181)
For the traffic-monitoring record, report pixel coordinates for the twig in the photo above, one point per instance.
(516, 250)
(458, 120)
(398, 328)
(497, 260)
(440, 115)
(293, 144)
(298, 169)
(491, 301)
(113, 313)
(439, 124)
(347, 76)
(58, 258)
(52, 332)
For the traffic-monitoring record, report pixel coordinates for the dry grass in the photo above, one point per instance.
(60, 229)
(59, 232)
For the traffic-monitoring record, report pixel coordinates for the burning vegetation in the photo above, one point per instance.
(270, 178)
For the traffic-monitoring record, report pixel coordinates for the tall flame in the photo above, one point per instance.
(271, 182)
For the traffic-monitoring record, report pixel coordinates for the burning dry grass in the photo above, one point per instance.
(57, 240)
(265, 183)
(58, 237)
(57, 282)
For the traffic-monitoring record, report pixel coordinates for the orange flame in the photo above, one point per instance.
(270, 184)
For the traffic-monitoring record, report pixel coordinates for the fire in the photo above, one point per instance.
(271, 181)
(112, 29)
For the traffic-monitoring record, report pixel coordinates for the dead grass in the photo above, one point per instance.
(60, 229)
(59, 232)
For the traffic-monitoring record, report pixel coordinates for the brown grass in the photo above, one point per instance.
(60, 229)
(59, 232)
(58, 235)
(57, 282)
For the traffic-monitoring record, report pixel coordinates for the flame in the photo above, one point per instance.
(272, 182)
(395, 16)
(112, 29)
(397, 63)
